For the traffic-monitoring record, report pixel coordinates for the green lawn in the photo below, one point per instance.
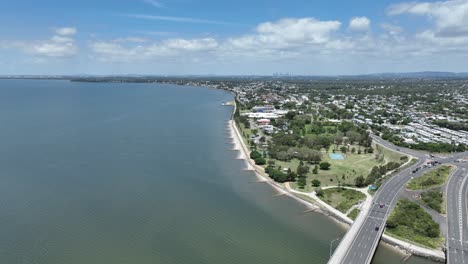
(342, 199)
(341, 171)
(431, 179)
(410, 222)
(246, 134)
(354, 213)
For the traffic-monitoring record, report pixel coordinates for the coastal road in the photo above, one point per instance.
(457, 216)
(362, 247)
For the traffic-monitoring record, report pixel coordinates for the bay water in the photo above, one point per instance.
(140, 173)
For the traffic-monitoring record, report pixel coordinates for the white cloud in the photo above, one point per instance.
(286, 34)
(359, 24)
(450, 17)
(60, 45)
(179, 19)
(154, 3)
(66, 31)
(391, 29)
(114, 51)
(53, 49)
(60, 39)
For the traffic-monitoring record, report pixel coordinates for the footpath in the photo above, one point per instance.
(318, 204)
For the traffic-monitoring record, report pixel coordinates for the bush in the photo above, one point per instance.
(410, 221)
(360, 181)
(316, 183)
(255, 155)
(260, 161)
(433, 199)
(325, 166)
(319, 192)
(301, 182)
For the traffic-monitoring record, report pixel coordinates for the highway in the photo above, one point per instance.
(457, 216)
(362, 247)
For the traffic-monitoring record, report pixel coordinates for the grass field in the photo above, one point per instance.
(354, 213)
(410, 222)
(342, 171)
(342, 199)
(431, 179)
(246, 134)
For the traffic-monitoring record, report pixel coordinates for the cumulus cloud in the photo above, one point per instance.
(279, 37)
(53, 49)
(286, 34)
(450, 17)
(60, 45)
(66, 31)
(359, 24)
(113, 50)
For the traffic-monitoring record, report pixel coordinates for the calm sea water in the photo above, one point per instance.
(139, 173)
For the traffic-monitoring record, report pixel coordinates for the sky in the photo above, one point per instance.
(254, 37)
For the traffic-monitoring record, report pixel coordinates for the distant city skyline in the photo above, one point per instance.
(179, 37)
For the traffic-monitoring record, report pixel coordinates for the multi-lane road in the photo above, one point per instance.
(457, 216)
(361, 249)
(363, 246)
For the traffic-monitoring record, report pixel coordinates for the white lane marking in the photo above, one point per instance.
(460, 212)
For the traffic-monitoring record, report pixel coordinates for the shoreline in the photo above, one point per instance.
(403, 247)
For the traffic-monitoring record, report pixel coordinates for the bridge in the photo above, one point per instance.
(360, 242)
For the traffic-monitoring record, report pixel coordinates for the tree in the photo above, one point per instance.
(301, 182)
(353, 136)
(260, 161)
(254, 131)
(290, 115)
(302, 170)
(316, 183)
(315, 171)
(338, 139)
(343, 149)
(255, 154)
(282, 155)
(360, 181)
(325, 165)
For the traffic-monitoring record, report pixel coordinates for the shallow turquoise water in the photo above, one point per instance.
(139, 173)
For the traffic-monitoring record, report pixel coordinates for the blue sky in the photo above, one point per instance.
(232, 37)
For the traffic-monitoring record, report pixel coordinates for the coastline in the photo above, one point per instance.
(401, 246)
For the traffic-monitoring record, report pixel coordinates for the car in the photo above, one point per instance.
(382, 205)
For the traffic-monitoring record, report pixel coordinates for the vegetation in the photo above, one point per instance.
(325, 166)
(378, 172)
(434, 200)
(436, 147)
(316, 183)
(431, 179)
(353, 214)
(410, 222)
(451, 125)
(280, 176)
(257, 157)
(342, 199)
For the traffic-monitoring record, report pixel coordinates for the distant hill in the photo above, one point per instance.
(424, 74)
